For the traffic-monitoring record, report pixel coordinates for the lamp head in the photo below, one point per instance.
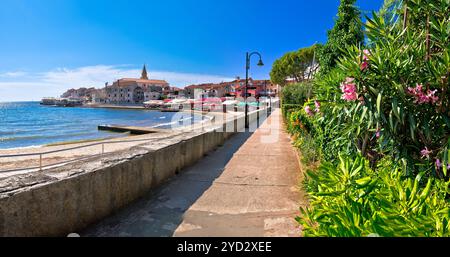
(260, 63)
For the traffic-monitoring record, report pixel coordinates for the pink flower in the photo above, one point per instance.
(425, 153)
(365, 59)
(419, 87)
(378, 133)
(361, 100)
(364, 65)
(420, 97)
(350, 97)
(348, 89)
(438, 163)
(317, 104)
(366, 54)
(309, 111)
(432, 97)
(349, 80)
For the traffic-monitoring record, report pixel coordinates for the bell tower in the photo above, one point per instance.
(144, 74)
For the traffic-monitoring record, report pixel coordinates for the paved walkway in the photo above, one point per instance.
(248, 187)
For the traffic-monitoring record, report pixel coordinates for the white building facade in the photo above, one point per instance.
(135, 91)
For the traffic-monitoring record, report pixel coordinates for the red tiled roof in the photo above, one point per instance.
(200, 85)
(235, 83)
(143, 80)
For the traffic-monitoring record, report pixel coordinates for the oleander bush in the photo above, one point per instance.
(302, 127)
(379, 124)
(352, 199)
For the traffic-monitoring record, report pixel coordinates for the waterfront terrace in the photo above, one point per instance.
(235, 88)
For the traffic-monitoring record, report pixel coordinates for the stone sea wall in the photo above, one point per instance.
(67, 199)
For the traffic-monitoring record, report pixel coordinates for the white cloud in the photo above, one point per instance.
(86, 76)
(13, 74)
(22, 86)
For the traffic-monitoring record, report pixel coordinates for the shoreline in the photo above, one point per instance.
(210, 117)
(92, 140)
(28, 160)
(62, 141)
(110, 106)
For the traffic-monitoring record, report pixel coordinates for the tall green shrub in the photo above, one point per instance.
(347, 31)
(384, 130)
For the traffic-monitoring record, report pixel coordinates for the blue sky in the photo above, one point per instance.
(47, 46)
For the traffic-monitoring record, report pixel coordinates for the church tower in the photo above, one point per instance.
(144, 74)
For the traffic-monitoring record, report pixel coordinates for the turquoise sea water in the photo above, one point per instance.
(27, 124)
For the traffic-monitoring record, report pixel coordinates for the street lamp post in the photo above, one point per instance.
(247, 68)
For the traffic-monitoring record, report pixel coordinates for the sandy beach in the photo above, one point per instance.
(70, 152)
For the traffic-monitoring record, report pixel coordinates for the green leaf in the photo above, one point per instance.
(426, 191)
(363, 181)
(412, 126)
(379, 103)
(363, 116)
(395, 108)
(445, 162)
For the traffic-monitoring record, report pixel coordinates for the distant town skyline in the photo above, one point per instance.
(56, 45)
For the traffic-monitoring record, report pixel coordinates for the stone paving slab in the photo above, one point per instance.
(251, 186)
(258, 193)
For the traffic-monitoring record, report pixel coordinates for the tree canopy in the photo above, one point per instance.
(347, 31)
(294, 65)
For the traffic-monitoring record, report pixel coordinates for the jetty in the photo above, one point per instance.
(131, 129)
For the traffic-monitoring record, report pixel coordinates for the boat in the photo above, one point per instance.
(169, 110)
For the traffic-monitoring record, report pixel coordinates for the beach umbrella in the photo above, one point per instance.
(230, 102)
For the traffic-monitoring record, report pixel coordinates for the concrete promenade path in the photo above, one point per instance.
(251, 186)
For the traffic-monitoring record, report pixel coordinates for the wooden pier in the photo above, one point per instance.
(132, 130)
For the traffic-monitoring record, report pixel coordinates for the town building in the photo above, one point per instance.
(236, 88)
(135, 91)
(175, 92)
(82, 93)
(197, 91)
(99, 96)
